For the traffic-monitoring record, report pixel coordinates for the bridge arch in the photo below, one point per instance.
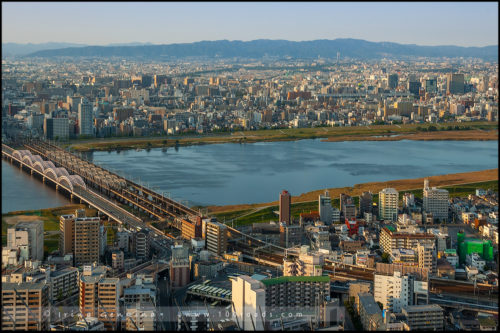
(19, 154)
(71, 181)
(55, 173)
(41, 166)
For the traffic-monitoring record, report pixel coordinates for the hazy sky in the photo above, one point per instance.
(427, 23)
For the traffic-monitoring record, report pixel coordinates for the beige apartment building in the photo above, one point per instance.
(16, 298)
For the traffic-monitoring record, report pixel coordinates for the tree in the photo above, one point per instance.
(381, 306)
(385, 257)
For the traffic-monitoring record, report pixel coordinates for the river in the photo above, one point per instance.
(225, 174)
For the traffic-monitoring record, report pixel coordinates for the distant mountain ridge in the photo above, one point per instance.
(19, 49)
(353, 48)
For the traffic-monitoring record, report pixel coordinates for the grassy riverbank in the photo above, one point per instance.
(460, 184)
(446, 131)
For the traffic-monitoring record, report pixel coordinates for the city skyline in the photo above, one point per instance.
(474, 24)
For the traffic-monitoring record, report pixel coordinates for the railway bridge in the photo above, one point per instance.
(109, 192)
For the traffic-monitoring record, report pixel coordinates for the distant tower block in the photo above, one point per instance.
(285, 203)
(338, 56)
(426, 183)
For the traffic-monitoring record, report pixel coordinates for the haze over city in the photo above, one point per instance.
(250, 166)
(101, 23)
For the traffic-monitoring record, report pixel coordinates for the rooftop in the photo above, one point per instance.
(422, 308)
(285, 279)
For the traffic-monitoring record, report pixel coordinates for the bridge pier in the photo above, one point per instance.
(43, 179)
(57, 187)
(31, 172)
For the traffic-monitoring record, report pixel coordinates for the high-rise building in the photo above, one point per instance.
(431, 85)
(285, 207)
(249, 299)
(89, 287)
(388, 204)
(455, 84)
(79, 235)
(85, 118)
(397, 290)
(365, 203)
(427, 256)
(347, 207)
(435, 201)
(325, 208)
(180, 268)
(142, 245)
(392, 81)
(56, 128)
(25, 306)
(28, 237)
(216, 235)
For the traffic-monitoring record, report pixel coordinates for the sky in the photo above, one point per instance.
(101, 23)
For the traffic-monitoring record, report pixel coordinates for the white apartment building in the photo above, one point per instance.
(249, 299)
(388, 204)
(397, 290)
(436, 202)
(28, 237)
(325, 208)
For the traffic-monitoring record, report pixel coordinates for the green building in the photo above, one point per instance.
(473, 245)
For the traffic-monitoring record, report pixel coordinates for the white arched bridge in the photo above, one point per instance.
(74, 185)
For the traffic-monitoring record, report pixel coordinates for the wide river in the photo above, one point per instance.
(224, 174)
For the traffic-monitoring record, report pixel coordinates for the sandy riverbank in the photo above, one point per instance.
(375, 187)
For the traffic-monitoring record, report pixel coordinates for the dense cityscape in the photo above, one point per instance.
(122, 254)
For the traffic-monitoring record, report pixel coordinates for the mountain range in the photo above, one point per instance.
(352, 48)
(18, 49)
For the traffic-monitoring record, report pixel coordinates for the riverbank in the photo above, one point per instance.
(445, 131)
(374, 187)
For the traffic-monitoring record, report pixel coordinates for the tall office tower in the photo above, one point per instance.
(285, 206)
(436, 202)
(28, 237)
(179, 267)
(397, 289)
(414, 85)
(56, 128)
(249, 299)
(85, 118)
(325, 208)
(431, 85)
(16, 297)
(388, 204)
(392, 81)
(365, 203)
(455, 84)
(216, 237)
(485, 83)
